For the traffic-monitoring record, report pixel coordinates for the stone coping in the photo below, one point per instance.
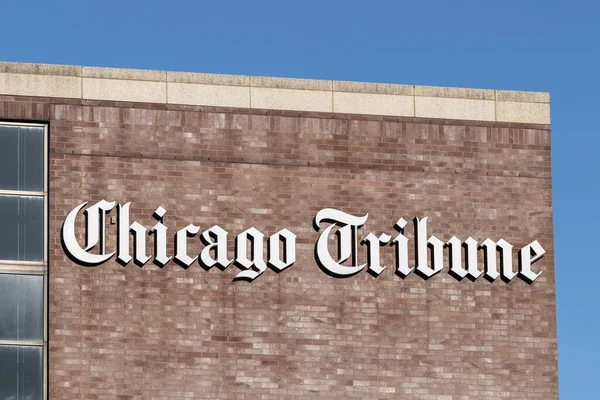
(258, 92)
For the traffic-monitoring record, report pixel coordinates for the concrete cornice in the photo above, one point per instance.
(131, 85)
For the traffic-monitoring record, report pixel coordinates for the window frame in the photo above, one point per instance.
(40, 268)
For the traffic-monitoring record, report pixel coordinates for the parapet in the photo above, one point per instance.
(266, 93)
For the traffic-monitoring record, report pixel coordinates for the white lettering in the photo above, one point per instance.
(347, 242)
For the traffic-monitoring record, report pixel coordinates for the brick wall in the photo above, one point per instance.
(152, 333)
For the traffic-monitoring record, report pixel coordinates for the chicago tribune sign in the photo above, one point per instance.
(429, 251)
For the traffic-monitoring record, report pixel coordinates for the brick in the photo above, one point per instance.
(154, 333)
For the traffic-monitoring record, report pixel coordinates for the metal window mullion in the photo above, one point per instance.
(5, 192)
(26, 343)
(45, 351)
(45, 372)
(45, 363)
(45, 336)
(22, 263)
(23, 269)
(24, 124)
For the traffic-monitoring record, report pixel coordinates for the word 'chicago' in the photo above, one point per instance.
(281, 247)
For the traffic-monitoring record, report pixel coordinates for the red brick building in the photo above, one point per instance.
(243, 152)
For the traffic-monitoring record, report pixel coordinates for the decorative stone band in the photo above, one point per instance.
(240, 91)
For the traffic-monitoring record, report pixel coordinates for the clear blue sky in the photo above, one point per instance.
(540, 45)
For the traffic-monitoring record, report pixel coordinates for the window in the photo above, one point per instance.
(23, 261)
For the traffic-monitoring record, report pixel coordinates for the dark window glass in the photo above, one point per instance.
(21, 307)
(22, 233)
(21, 373)
(22, 158)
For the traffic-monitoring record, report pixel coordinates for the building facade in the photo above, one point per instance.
(178, 235)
